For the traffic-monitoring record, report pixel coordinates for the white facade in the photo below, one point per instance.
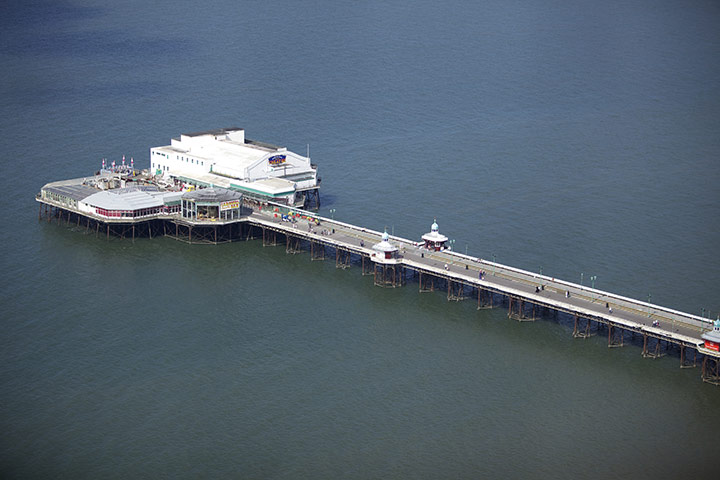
(225, 157)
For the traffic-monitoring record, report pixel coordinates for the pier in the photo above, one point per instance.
(527, 296)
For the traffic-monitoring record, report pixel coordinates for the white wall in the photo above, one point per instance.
(294, 164)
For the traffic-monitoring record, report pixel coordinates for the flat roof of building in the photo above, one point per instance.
(75, 192)
(130, 198)
(216, 131)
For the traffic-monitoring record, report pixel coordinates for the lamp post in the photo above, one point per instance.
(493, 267)
(592, 279)
(581, 278)
(649, 297)
(466, 247)
(452, 244)
(332, 214)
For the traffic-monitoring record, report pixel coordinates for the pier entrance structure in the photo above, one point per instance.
(225, 158)
(434, 240)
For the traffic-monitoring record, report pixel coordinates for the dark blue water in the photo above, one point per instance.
(576, 138)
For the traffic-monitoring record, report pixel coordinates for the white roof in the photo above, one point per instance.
(209, 178)
(385, 245)
(272, 185)
(434, 237)
(125, 199)
(237, 156)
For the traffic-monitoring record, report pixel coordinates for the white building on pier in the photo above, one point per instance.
(225, 158)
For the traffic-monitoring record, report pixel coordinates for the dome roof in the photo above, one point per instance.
(385, 245)
(212, 195)
(434, 235)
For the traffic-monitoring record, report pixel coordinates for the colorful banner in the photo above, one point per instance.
(229, 205)
(277, 160)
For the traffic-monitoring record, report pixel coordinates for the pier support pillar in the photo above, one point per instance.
(269, 238)
(711, 370)
(292, 244)
(427, 283)
(317, 251)
(485, 299)
(456, 291)
(684, 361)
(516, 310)
(648, 351)
(342, 258)
(387, 275)
(579, 331)
(616, 337)
(367, 265)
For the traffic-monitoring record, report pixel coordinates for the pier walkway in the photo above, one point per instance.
(525, 288)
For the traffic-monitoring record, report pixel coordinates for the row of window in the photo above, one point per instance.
(188, 159)
(60, 199)
(143, 212)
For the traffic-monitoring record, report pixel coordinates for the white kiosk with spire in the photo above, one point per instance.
(387, 268)
(434, 240)
(386, 251)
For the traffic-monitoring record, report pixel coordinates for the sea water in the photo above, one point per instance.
(580, 139)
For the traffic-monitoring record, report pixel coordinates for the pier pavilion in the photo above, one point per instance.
(211, 204)
(225, 158)
(434, 240)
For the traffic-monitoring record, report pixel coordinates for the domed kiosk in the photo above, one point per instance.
(385, 250)
(434, 240)
(385, 259)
